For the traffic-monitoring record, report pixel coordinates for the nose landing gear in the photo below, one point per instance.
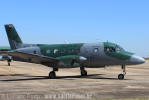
(122, 76)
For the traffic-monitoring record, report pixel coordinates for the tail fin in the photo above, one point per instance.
(13, 37)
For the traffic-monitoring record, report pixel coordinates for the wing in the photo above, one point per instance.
(4, 49)
(33, 58)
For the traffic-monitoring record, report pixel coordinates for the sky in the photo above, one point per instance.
(125, 22)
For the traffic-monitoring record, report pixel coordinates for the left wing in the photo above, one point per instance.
(33, 58)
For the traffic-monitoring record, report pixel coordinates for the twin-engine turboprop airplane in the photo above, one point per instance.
(91, 55)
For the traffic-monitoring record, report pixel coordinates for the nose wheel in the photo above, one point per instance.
(122, 76)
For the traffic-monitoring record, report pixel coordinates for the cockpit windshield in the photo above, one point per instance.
(113, 48)
(119, 48)
(109, 49)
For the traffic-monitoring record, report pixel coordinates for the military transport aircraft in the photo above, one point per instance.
(90, 55)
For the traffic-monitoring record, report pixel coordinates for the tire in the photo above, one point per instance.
(8, 63)
(83, 73)
(121, 76)
(52, 75)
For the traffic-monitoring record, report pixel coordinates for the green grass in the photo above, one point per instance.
(3, 47)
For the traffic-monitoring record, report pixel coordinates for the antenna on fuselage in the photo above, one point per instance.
(66, 42)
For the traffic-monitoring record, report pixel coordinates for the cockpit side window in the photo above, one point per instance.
(113, 49)
(118, 48)
(109, 49)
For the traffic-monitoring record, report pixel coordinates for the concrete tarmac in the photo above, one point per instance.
(26, 81)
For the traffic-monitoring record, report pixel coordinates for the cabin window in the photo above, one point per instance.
(35, 52)
(55, 51)
(62, 51)
(71, 51)
(77, 50)
(95, 50)
(48, 51)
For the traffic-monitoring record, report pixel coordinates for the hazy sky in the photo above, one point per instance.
(125, 22)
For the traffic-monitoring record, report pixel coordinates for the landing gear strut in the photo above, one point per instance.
(122, 76)
(9, 60)
(83, 71)
(52, 74)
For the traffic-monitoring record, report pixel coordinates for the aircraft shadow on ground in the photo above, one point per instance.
(28, 77)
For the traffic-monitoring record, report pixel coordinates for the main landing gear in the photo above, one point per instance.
(122, 76)
(83, 71)
(52, 74)
(9, 61)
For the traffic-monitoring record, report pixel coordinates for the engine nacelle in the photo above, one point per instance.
(71, 60)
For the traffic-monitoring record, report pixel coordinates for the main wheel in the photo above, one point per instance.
(8, 63)
(52, 75)
(83, 73)
(9, 60)
(121, 76)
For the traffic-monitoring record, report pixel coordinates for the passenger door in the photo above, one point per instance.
(94, 55)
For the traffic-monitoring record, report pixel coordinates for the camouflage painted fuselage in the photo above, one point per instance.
(96, 54)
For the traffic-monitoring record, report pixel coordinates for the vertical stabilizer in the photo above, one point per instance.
(13, 37)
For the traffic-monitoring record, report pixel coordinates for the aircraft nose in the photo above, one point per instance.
(137, 60)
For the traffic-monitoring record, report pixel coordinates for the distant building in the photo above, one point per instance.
(147, 58)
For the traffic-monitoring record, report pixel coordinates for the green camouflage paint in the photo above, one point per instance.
(109, 44)
(68, 53)
(70, 60)
(57, 50)
(12, 33)
(118, 54)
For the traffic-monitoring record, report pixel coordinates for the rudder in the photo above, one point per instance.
(13, 37)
